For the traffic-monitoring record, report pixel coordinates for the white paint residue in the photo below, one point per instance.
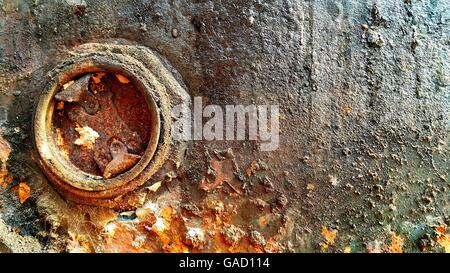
(110, 228)
(196, 234)
(87, 137)
(159, 224)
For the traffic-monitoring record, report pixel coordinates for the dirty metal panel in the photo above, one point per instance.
(344, 145)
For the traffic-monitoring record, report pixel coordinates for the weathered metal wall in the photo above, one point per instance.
(363, 89)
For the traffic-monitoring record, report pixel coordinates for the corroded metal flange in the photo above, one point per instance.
(128, 151)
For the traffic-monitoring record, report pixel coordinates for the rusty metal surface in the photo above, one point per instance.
(363, 162)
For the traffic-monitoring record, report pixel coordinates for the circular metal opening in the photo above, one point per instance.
(97, 126)
(75, 146)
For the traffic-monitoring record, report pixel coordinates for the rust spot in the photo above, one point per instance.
(121, 78)
(396, 245)
(256, 165)
(347, 109)
(443, 239)
(329, 237)
(272, 246)
(220, 176)
(79, 243)
(23, 191)
(97, 77)
(5, 179)
(252, 168)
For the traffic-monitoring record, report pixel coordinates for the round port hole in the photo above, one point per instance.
(103, 123)
(96, 129)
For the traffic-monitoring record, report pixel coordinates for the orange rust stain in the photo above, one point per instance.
(168, 238)
(167, 213)
(262, 221)
(60, 105)
(310, 186)
(23, 191)
(239, 248)
(165, 229)
(443, 239)
(122, 78)
(122, 236)
(220, 177)
(5, 179)
(120, 240)
(259, 249)
(146, 216)
(172, 236)
(251, 169)
(97, 77)
(328, 235)
(347, 109)
(135, 200)
(397, 243)
(216, 215)
(272, 246)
